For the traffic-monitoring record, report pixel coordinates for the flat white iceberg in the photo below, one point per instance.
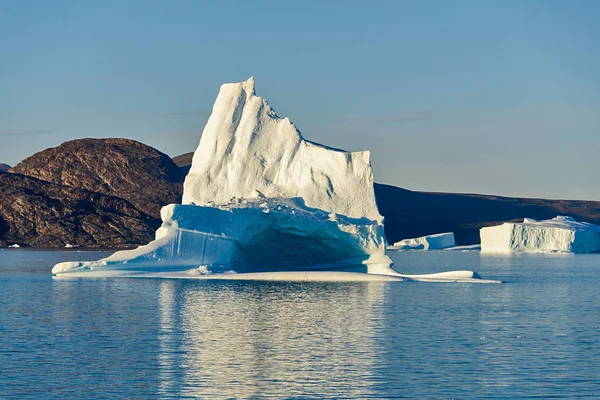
(438, 241)
(557, 235)
(261, 202)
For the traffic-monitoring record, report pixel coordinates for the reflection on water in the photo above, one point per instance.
(536, 335)
(243, 339)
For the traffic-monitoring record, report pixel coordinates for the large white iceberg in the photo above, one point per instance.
(438, 241)
(561, 234)
(261, 199)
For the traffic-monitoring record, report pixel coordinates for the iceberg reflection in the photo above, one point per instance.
(241, 339)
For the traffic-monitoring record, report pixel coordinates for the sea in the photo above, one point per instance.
(535, 335)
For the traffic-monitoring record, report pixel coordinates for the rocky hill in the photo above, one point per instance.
(45, 214)
(4, 167)
(184, 162)
(123, 168)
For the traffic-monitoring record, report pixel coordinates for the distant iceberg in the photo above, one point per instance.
(259, 199)
(438, 241)
(561, 235)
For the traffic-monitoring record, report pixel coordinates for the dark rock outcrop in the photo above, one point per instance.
(4, 167)
(44, 214)
(411, 214)
(184, 162)
(123, 168)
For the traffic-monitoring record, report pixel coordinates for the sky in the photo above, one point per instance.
(498, 97)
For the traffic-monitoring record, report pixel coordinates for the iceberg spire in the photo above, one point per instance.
(246, 149)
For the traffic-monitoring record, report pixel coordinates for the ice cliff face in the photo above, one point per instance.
(560, 234)
(259, 197)
(438, 241)
(247, 151)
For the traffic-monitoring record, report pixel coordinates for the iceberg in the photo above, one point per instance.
(561, 234)
(262, 202)
(438, 241)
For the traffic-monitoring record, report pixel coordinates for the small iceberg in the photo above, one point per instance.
(561, 234)
(438, 241)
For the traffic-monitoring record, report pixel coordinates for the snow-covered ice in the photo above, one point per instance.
(561, 234)
(261, 202)
(254, 235)
(438, 241)
(247, 151)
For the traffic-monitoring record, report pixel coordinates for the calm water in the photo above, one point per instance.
(536, 335)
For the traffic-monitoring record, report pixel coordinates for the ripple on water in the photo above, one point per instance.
(534, 336)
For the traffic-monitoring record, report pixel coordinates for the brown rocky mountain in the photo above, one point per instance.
(184, 162)
(123, 168)
(45, 214)
(411, 214)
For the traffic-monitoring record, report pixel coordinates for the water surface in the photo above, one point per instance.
(536, 335)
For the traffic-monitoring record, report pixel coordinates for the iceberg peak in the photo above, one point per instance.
(248, 85)
(246, 148)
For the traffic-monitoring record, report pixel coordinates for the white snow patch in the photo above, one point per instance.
(558, 235)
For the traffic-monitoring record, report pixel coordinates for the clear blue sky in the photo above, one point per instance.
(497, 97)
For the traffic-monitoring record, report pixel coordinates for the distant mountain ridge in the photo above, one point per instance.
(184, 162)
(411, 214)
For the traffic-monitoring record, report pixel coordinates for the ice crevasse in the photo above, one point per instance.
(259, 198)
